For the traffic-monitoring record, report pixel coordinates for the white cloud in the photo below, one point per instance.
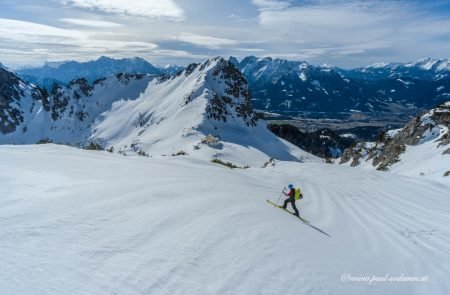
(47, 42)
(167, 9)
(31, 32)
(90, 23)
(327, 29)
(329, 16)
(205, 41)
(34, 33)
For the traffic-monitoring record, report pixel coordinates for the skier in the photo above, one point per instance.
(291, 199)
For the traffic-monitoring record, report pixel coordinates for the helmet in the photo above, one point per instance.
(290, 186)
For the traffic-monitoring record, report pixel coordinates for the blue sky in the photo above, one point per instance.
(343, 33)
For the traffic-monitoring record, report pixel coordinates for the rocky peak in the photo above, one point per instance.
(235, 93)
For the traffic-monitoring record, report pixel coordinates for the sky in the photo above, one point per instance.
(341, 33)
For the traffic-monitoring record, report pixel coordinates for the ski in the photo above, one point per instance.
(281, 207)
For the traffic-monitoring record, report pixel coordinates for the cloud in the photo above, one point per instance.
(326, 29)
(31, 32)
(34, 33)
(48, 42)
(90, 23)
(204, 41)
(163, 9)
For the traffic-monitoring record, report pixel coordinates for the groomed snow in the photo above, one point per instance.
(82, 222)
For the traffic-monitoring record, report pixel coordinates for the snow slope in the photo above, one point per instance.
(427, 158)
(84, 222)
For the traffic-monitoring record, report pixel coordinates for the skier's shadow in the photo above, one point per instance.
(317, 229)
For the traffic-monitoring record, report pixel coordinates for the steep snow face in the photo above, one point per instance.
(173, 116)
(421, 148)
(83, 222)
(67, 114)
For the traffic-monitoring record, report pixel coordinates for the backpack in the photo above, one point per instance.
(298, 194)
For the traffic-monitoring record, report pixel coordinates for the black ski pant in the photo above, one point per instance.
(292, 200)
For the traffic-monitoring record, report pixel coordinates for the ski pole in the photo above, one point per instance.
(281, 195)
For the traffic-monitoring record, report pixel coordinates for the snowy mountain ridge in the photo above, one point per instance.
(133, 113)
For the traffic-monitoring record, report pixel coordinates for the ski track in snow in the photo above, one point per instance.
(81, 222)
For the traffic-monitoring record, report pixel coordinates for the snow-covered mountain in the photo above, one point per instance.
(291, 87)
(92, 70)
(133, 113)
(421, 148)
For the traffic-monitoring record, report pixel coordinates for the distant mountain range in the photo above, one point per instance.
(65, 72)
(424, 69)
(293, 87)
